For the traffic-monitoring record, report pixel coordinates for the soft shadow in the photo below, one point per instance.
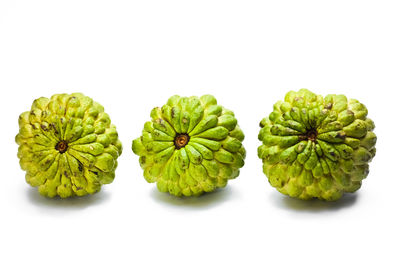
(314, 205)
(207, 200)
(74, 203)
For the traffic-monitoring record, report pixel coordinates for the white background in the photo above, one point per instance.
(131, 56)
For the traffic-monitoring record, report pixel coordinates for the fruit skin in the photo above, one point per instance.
(315, 147)
(213, 154)
(67, 145)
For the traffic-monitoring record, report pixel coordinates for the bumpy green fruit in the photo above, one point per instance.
(67, 145)
(191, 146)
(315, 147)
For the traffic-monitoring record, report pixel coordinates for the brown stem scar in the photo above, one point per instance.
(310, 135)
(181, 140)
(62, 146)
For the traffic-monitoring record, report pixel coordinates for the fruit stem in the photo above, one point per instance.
(311, 135)
(62, 146)
(181, 140)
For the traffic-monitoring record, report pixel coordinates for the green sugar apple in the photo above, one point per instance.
(67, 145)
(315, 147)
(192, 145)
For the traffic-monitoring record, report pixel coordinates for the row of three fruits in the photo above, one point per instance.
(312, 147)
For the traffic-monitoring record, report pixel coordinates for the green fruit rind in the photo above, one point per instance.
(92, 147)
(316, 147)
(212, 155)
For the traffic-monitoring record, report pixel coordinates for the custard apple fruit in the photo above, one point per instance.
(67, 145)
(191, 145)
(315, 147)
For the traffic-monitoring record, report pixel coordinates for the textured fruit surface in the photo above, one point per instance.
(315, 147)
(67, 145)
(192, 145)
